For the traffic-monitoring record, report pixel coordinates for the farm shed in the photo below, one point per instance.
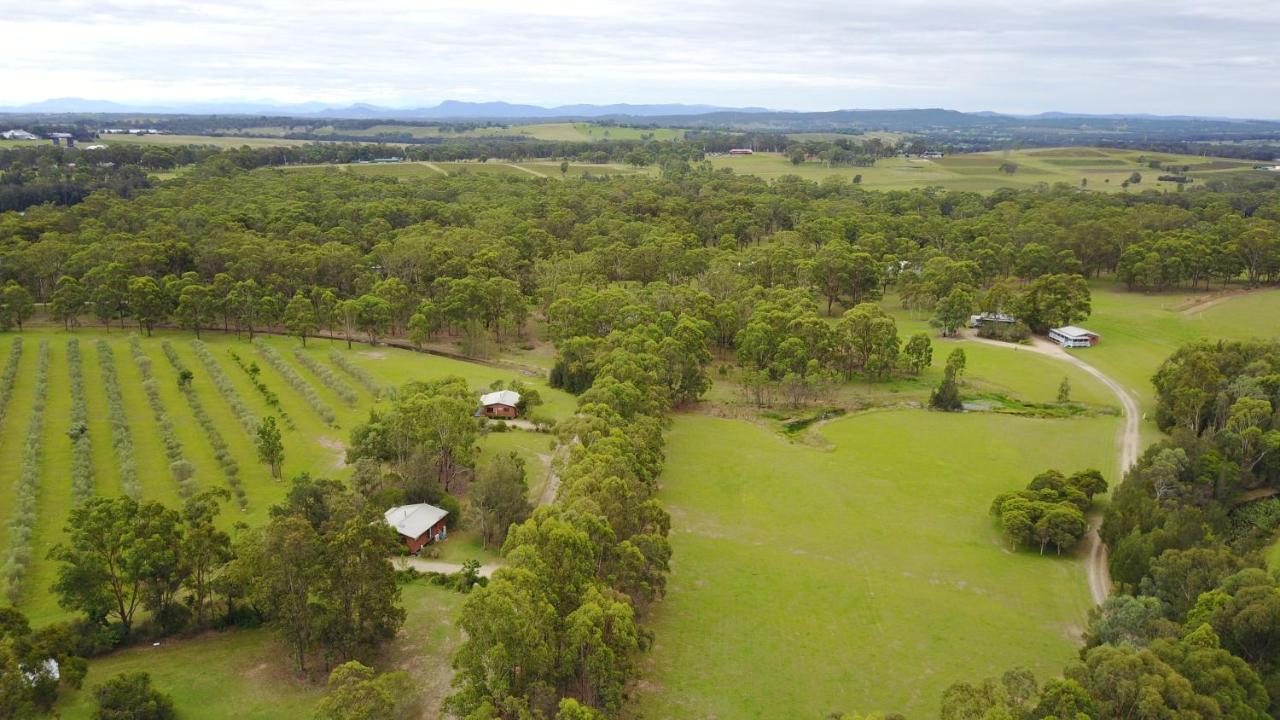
(741, 151)
(420, 524)
(993, 318)
(1071, 336)
(500, 404)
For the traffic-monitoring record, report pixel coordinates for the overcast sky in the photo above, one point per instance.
(1207, 57)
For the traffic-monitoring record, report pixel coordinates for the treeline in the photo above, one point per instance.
(556, 631)
(1191, 628)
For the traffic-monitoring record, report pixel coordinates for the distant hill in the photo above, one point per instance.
(449, 109)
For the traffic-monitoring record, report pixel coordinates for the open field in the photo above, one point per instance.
(311, 444)
(223, 141)
(1103, 169)
(532, 169)
(246, 675)
(867, 576)
(561, 131)
(1139, 331)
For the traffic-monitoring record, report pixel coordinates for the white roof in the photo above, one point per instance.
(414, 520)
(1074, 332)
(501, 397)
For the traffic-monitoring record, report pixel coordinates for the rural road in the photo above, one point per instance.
(438, 566)
(1096, 568)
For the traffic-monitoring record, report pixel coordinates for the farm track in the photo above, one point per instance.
(1096, 567)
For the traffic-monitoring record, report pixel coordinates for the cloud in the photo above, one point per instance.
(1175, 56)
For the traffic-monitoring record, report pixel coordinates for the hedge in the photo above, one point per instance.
(179, 468)
(362, 376)
(81, 453)
(327, 376)
(296, 381)
(226, 388)
(121, 435)
(27, 487)
(221, 451)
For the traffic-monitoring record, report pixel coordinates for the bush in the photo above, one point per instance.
(22, 523)
(296, 381)
(222, 453)
(327, 376)
(81, 453)
(172, 445)
(121, 435)
(129, 696)
(1006, 332)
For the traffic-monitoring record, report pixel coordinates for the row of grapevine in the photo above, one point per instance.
(81, 453)
(221, 452)
(121, 435)
(26, 490)
(362, 376)
(226, 388)
(327, 376)
(296, 381)
(182, 470)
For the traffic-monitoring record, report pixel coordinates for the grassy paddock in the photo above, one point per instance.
(864, 577)
(246, 674)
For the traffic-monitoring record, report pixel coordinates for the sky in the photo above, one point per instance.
(1202, 57)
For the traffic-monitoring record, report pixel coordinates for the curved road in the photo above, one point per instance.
(1130, 441)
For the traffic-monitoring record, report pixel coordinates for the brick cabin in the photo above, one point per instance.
(502, 404)
(418, 525)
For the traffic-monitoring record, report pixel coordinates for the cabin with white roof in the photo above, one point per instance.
(419, 524)
(1070, 336)
(500, 404)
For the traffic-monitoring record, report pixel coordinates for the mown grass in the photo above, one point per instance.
(864, 577)
(247, 675)
(312, 447)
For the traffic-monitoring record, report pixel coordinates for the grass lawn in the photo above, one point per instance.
(867, 576)
(247, 675)
(311, 445)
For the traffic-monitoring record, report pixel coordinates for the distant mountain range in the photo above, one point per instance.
(449, 109)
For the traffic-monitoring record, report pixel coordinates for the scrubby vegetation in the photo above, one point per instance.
(121, 434)
(26, 489)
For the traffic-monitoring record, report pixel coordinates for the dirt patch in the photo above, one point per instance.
(373, 354)
(1194, 306)
(339, 450)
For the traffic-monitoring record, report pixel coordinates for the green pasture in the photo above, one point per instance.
(866, 576)
(247, 675)
(222, 141)
(1103, 169)
(310, 444)
(1140, 330)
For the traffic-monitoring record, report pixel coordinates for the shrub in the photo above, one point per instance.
(9, 376)
(362, 376)
(129, 696)
(81, 454)
(121, 435)
(22, 523)
(222, 453)
(327, 376)
(296, 381)
(172, 445)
